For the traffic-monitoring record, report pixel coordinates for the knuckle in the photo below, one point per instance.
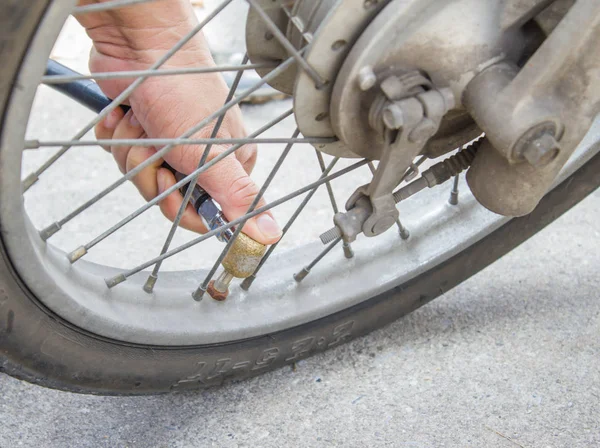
(242, 191)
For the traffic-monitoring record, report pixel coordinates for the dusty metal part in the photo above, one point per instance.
(440, 172)
(350, 224)
(262, 46)
(409, 116)
(515, 13)
(453, 200)
(366, 78)
(512, 133)
(556, 91)
(410, 34)
(549, 18)
(333, 39)
(244, 256)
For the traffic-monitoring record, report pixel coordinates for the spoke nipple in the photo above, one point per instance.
(112, 282)
(301, 275)
(453, 198)
(49, 231)
(402, 231)
(348, 252)
(331, 235)
(247, 282)
(198, 294)
(29, 181)
(77, 254)
(454, 192)
(150, 282)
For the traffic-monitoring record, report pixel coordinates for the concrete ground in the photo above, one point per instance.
(510, 358)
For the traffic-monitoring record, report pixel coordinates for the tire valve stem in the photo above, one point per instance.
(219, 289)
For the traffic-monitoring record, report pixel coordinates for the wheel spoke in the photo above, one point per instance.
(115, 4)
(55, 227)
(33, 177)
(453, 200)
(59, 79)
(123, 276)
(306, 269)
(287, 44)
(82, 250)
(347, 247)
(248, 281)
(199, 293)
(154, 142)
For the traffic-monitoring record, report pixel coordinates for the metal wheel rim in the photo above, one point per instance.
(79, 295)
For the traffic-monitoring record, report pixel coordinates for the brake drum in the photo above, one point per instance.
(340, 37)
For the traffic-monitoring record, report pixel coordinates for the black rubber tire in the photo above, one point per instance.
(38, 346)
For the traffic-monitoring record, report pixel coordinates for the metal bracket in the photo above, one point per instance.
(408, 115)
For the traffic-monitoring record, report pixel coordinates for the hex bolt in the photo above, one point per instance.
(219, 289)
(393, 117)
(542, 150)
(366, 78)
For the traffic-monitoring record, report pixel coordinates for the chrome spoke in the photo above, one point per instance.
(55, 227)
(347, 247)
(453, 200)
(154, 142)
(82, 250)
(306, 269)
(123, 276)
(297, 55)
(248, 281)
(114, 4)
(153, 278)
(33, 177)
(59, 79)
(199, 293)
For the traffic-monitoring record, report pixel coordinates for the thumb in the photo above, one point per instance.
(229, 184)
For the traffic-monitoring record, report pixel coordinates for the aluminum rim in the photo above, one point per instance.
(78, 293)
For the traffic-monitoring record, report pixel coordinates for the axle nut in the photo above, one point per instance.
(541, 151)
(393, 117)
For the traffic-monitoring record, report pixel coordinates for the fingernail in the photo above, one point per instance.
(268, 226)
(112, 120)
(134, 121)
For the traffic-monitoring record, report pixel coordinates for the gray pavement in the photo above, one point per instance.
(513, 353)
(510, 358)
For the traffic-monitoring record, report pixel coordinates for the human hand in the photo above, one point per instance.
(133, 38)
